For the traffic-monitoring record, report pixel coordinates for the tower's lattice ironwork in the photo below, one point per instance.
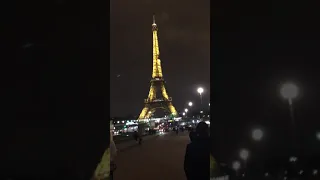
(157, 84)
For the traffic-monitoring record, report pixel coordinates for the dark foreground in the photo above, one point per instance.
(157, 159)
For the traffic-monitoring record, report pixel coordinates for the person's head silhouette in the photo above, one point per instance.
(202, 129)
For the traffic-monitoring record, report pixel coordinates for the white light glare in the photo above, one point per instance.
(200, 90)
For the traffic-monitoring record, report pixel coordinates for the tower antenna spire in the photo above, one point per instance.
(154, 19)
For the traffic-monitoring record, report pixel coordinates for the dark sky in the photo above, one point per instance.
(184, 37)
(253, 51)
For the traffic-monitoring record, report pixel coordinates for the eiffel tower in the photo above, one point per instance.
(157, 84)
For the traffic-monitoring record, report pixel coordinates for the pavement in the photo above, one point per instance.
(123, 145)
(158, 158)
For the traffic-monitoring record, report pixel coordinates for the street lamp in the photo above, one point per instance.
(200, 91)
(244, 154)
(289, 91)
(236, 166)
(190, 104)
(257, 134)
(186, 110)
(183, 113)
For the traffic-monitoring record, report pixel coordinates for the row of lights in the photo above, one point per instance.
(288, 91)
(257, 135)
(134, 121)
(200, 90)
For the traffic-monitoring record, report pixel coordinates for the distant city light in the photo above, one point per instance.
(293, 159)
(315, 172)
(190, 104)
(186, 110)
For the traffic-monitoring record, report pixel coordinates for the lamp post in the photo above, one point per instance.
(244, 154)
(200, 91)
(236, 166)
(186, 111)
(289, 91)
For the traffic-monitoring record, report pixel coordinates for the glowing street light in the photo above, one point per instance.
(289, 91)
(186, 110)
(236, 166)
(200, 91)
(209, 104)
(257, 134)
(190, 104)
(244, 154)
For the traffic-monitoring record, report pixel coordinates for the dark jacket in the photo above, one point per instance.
(197, 159)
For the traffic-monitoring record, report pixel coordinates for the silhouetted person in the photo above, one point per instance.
(197, 157)
(135, 135)
(192, 135)
(113, 154)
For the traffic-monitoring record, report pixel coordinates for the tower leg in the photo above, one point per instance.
(172, 109)
(143, 113)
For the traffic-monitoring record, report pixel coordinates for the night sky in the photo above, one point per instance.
(184, 40)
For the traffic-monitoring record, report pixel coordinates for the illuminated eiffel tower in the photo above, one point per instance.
(157, 84)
